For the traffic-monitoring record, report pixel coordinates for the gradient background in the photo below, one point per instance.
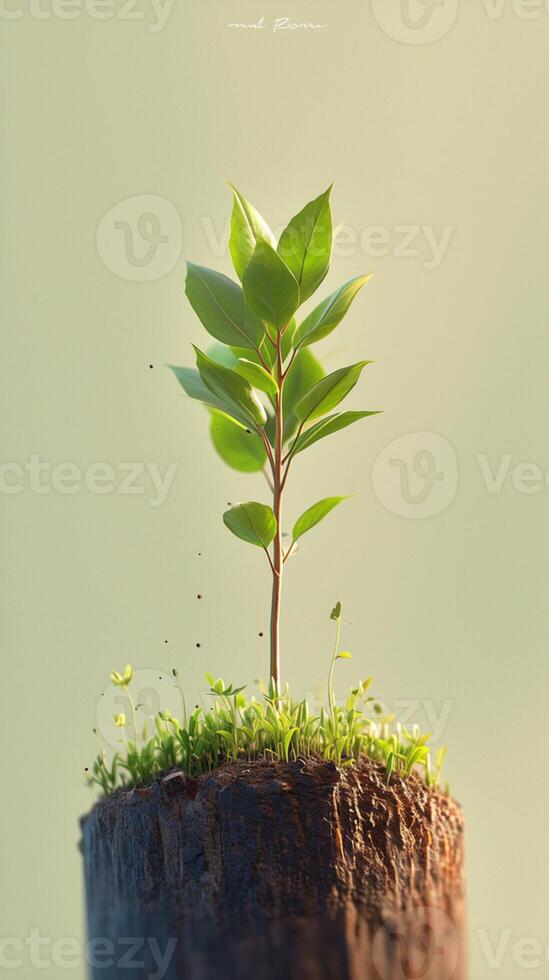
(452, 608)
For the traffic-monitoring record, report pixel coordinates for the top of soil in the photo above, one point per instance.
(268, 778)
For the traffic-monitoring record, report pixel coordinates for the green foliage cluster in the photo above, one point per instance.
(267, 394)
(277, 727)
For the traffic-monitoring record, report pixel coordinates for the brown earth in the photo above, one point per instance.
(299, 870)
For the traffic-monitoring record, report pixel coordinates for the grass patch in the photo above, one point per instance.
(275, 726)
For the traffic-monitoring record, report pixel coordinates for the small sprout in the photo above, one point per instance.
(241, 728)
(336, 612)
(122, 680)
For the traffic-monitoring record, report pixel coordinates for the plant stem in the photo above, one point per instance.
(278, 560)
(134, 714)
(331, 697)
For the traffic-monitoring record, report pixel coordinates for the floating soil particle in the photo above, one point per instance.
(284, 871)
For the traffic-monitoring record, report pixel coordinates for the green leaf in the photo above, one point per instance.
(287, 740)
(303, 374)
(314, 515)
(257, 376)
(224, 355)
(334, 423)
(306, 244)
(252, 522)
(194, 387)
(270, 289)
(230, 388)
(329, 392)
(238, 446)
(220, 306)
(247, 229)
(325, 317)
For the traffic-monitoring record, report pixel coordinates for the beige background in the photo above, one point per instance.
(452, 608)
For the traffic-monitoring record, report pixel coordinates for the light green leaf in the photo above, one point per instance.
(257, 376)
(194, 387)
(224, 355)
(334, 423)
(220, 306)
(270, 289)
(247, 229)
(325, 317)
(252, 522)
(237, 445)
(287, 740)
(329, 392)
(314, 515)
(228, 386)
(306, 244)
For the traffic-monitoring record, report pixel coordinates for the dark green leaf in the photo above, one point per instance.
(228, 386)
(306, 244)
(219, 304)
(238, 446)
(252, 522)
(247, 229)
(326, 316)
(336, 611)
(314, 515)
(270, 289)
(326, 427)
(328, 392)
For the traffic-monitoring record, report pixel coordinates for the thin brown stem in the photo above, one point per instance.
(278, 556)
(290, 362)
(268, 449)
(262, 359)
(270, 559)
